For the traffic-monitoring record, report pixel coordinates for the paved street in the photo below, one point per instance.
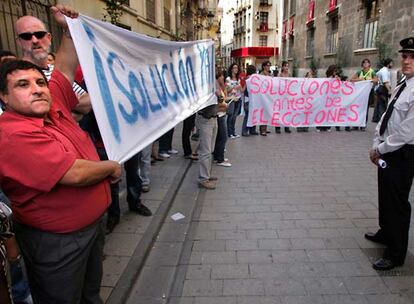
(285, 225)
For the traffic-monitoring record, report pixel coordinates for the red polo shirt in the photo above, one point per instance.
(35, 155)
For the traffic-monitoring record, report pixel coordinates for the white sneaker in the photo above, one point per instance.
(236, 136)
(329, 130)
(224, 164)
(317, 130)
(172, 151)
(164, 155)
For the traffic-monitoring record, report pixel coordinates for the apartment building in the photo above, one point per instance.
(252, 29)
(318, 33)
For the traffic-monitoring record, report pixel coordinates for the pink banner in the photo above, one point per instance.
(307, 102)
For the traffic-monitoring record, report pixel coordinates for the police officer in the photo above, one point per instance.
(394, 143)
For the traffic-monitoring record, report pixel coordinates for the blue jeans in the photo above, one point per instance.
(221, 139)
(20, 288)
(245, 128)
(233, 112)
(166, 141)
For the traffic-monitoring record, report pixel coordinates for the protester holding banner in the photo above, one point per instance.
(394, 144)
(284, 72)
(332, 72)
(366, 73)
(221, 138)
(309, 74)
(246, 131)
(266, 72)
(234, 91)
(35, 42)
(52, 174)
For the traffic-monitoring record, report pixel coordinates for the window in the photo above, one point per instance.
(310, 41)
(150, 6)
(291, 47)
(292, 7)
(285, 9)
(371, 23)
(262, 40)
(332, 35)
(332, 5)
(265, 2)
(264, 17)
(284, 50)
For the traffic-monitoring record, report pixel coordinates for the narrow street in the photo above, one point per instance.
(285, 225)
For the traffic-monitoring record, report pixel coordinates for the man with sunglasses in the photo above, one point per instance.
(50, 171)
(35, 42)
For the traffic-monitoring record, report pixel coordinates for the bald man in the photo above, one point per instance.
(35, 42)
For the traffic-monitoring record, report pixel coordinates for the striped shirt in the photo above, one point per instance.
(79, 92)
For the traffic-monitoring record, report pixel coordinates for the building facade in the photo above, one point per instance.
(164, 19)
(252, 28)
(318, 33)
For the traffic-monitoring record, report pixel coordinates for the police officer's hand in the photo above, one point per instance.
(374, 156)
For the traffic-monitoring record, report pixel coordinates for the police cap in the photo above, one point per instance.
(407, 45)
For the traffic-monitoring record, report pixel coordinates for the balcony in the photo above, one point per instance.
(263, 27)
(265, 3)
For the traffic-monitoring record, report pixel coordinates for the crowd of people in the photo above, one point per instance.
(57, 176)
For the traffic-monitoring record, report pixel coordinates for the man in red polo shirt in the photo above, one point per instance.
(51, 172)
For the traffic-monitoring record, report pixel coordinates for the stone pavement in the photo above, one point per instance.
(285, 225)
(126, 248)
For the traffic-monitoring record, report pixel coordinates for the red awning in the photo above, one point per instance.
(256, 51)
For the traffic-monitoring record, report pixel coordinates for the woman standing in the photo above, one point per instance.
(284, 72)
(366, 73)
(266, 72)
(221, 138)
(233, 90)
(247, 131)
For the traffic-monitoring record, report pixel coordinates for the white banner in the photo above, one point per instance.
(307, 102)
(141, 87)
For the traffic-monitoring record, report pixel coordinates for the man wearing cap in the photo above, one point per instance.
(394, 143)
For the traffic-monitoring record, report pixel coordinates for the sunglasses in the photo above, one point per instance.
(28, 36)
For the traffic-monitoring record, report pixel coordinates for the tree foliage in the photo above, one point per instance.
(383, 47)
(113, 9)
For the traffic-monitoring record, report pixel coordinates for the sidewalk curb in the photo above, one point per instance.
(120, 293)
(176, 289)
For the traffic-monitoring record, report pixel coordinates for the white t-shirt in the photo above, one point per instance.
(384, 75)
